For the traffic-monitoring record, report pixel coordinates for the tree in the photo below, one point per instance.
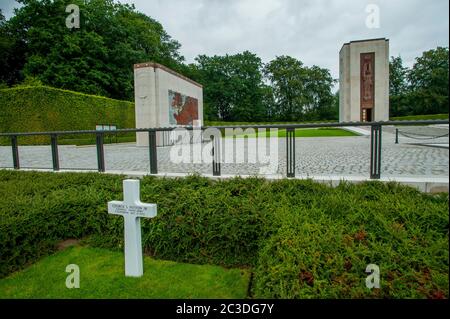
(11, 54)
(4, 46)
(320, 99)
(398, 86)
(233, 86)
(300, 93)
(98, 57)
(287, 78)
(397, 76)
(429, 79)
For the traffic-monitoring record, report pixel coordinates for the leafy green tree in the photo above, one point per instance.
(398, 86)
(300, 93)
(98, 57)
(335, 109)
(30, 81)
(429, 79)
(4, 46)
(268, 103)
(287, 77)
(320, 99)
(397, 76)
(11, 55)
(232, 86)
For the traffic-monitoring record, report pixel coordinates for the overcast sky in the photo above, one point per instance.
(310, 30)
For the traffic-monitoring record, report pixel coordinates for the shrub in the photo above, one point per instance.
(41, 108)
(322, 249)
(38, 210)
(303, 239)
(200, 221)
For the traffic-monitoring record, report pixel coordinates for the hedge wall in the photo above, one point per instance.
(302, 239)
(41, 108)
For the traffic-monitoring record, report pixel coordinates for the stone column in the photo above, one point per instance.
(145, 100)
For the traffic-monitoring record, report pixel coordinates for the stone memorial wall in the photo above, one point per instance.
(165, 98)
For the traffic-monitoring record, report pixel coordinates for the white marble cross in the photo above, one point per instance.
(132, 209)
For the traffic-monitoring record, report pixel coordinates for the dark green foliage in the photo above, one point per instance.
(423, 89)
(200, 221)
(233, 86)
(96, 58)
(37, 210)
(300, 93)
(34, 109)
(304, 239)
(325, 243)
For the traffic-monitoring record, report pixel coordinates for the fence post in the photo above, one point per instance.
(216, 156)
(152, 152)
(15, 152)
(55, 155)
(375, 152)
(396, 136)
(100, 152)
(290, 152)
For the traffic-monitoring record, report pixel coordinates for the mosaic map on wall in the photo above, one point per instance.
(183, 110)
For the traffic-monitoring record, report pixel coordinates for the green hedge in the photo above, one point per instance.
(41, 108)
(301, 238)
(326, 242)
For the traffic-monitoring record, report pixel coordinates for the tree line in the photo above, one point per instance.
(97, 58)
(423, 88)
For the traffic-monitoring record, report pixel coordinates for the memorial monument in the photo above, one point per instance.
(165, 98)
(364, 81)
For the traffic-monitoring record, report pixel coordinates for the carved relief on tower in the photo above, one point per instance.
(367, 80)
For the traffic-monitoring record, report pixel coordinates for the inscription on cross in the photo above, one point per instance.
(132, 210)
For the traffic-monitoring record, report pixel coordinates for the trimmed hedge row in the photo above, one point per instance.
(326, 242)
(38, 210)
(41, 108)
(303, 239)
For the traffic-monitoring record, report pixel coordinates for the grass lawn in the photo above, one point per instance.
(311, 132)
(420, 117)
(91, 141)
(221, 123)
(102, 276)
(399, 118)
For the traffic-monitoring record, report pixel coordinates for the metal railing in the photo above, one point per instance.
(375, 142)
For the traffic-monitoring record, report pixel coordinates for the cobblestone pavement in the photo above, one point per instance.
(320, 156)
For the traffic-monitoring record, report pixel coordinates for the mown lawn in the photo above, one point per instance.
(223, 123)
(108, 139)
(420, 117)
(398, 118)
(102, 276)
(313, 132)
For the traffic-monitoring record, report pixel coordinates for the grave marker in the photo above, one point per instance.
(132, 210)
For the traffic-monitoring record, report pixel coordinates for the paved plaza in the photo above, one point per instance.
(314, 156)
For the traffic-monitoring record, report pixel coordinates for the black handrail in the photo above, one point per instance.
(282, 126)
(375, 144)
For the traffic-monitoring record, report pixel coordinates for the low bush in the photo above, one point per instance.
(37, 210)
(303, 239)
(323, 246)
(199, 220)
